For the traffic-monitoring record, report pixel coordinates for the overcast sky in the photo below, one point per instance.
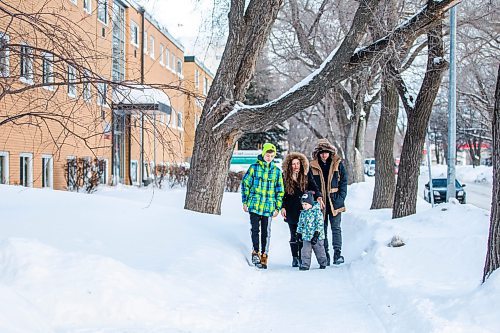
(187, 21)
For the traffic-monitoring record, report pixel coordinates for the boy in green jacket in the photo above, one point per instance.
(262, 193)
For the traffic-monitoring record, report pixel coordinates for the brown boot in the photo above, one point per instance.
(263, 260)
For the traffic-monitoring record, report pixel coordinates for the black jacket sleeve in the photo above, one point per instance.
(312, 186)
(343, 181)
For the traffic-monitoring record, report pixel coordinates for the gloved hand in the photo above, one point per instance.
(315, 237)
(299, 237)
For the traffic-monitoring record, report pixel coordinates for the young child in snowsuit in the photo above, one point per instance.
(262, 193)
(311, 228)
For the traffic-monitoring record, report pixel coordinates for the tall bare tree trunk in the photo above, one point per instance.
(405, 199)
(493, 254)
(385, 182)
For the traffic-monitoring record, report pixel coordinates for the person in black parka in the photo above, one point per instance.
(297, 180)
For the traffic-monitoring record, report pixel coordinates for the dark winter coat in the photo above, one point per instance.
(335, 185)
(291, 202)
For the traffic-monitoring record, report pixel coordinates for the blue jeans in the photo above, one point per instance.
(336, 232)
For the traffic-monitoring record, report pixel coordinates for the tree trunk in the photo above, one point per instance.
(353, 165)
(436, 149)
(405, 200)
(493, 254)
(385, 182)
(360, 150)
(205, 171)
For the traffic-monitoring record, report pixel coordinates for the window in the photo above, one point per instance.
(101, 93)
(179, 120)
(71, 81)
(26, 64)
(4, 55)
(134, 34)
(87, 92)
(47, 171)
(134, 168)
(102, 11)
(71, 167)
(47, 69)
(145, 42)
(145, 171)
(179, 67)
(161, 54)
(196, 78)
(26, 169)
(205, 85)
(168, 118)
(4, 167)
(103, 170)
(167, 58)
(87, 6)
(152, 47)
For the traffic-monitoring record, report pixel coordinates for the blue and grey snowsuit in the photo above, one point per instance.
(310, 221)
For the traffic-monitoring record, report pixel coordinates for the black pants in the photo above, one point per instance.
(295, 245)
(262, 223)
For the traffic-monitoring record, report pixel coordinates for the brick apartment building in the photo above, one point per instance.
(98, 80)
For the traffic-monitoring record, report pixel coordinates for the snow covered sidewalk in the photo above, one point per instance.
(130, 260)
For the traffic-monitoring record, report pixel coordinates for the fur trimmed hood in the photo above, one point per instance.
(294, 155)
(323, 145)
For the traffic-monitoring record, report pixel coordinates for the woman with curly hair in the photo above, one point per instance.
(297, 180)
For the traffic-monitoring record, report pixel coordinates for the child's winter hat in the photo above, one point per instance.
(268, 146)
(308, 197)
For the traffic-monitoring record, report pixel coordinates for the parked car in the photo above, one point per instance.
(439, 188)
(369, 166)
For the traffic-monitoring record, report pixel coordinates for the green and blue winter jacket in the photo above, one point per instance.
(262, 188)
(311, 220)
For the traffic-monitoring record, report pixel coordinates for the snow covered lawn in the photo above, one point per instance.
(132, 260)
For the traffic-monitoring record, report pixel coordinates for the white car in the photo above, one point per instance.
(369, 166)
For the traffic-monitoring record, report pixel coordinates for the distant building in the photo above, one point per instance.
(131, 130)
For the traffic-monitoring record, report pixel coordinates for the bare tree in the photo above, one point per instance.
(418, 112)
(493, 253)
(224, 119)
(342, 115)
(385, 183)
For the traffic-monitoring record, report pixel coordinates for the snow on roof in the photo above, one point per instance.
(142, 95)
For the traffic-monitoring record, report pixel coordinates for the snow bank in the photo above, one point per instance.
(429, 284)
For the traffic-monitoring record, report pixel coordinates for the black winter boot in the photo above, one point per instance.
(337, 258)
(327, 259)
(295, 262)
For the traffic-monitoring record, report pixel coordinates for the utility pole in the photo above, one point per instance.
(452, 110)
(431, 188)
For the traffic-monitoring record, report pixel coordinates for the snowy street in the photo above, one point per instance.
(478, 183)
(479, 194)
